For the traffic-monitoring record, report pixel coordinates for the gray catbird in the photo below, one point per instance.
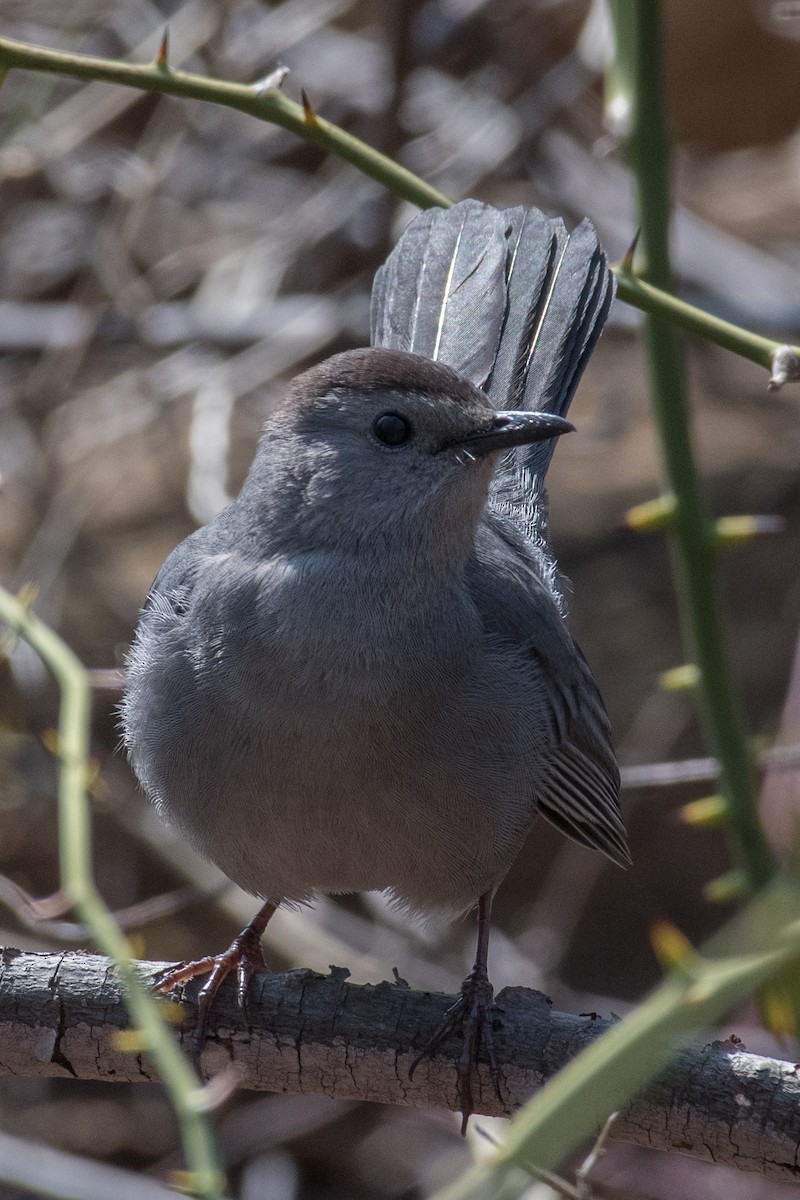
(358, 676)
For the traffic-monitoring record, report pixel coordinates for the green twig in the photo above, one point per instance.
(660, 302)
(75, 851)
(270, 106)
(276, 108)
(638, 84)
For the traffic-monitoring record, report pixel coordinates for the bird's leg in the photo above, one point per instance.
(244, 956)
(472, 1012)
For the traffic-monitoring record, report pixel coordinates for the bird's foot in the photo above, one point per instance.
(244, 956)
(472, 1014)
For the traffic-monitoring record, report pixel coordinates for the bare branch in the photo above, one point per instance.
(702, 770)
(60, 1015)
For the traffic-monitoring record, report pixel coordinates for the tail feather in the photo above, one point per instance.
(535, 246)
(441, 293)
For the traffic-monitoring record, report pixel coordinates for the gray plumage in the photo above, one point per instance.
(358, 675)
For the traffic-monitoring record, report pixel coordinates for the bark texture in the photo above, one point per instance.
(317, 1033)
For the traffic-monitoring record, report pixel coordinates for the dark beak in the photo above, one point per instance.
(512, 428)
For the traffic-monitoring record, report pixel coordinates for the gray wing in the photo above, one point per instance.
(513, 302)
(579, 788)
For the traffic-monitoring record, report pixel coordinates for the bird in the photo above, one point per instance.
(359, 676)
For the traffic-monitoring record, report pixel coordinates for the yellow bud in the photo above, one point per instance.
(710, 811)
(130, 1041)
(776, 1010)
(680, 679)
(671, 947)
(653, 514)
(51, 742)
(184, 1181)
(169, 1010)
(741, 528)
(27, 595)
(137, 945)
(197, 1183)
(730, 886)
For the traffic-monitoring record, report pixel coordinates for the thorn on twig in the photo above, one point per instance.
(28, 908)
(271, 82)
(627, 261)
(582, 1188)
(309, 116)
(785, 367)
(161, 60)
(105, 679)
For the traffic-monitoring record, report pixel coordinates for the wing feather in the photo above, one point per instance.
(578, 788)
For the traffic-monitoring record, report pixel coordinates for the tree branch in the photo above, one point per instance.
(61, 1015)
(269, 104)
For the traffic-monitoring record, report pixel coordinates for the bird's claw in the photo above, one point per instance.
(472, 1013)
(244, 956)
(182, 972)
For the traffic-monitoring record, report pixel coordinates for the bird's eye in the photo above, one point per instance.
(391, 429)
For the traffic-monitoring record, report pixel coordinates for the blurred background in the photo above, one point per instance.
(165, 267)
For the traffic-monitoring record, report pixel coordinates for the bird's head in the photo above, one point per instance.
(375, 440)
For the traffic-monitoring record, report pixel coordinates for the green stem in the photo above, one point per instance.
(659, 302)
(693, 541)
(276, 108)
(270, 106)
(77, 882)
